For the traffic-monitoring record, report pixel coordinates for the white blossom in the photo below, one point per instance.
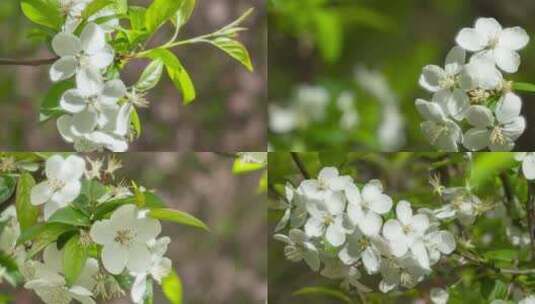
(439, 130)
(62, 185)
(528, 164)
(439, 296)
(299, 247)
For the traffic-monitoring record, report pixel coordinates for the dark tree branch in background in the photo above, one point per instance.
(300, 165)
(510, 205)
(29, 62)
(531, 216)
(226, 154)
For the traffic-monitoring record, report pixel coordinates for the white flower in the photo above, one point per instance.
(439, 296)
(11, 231)
(479, 76)
(328, 181)
(333, 269)
(124, 239)
(312, 103)
(78, 55)
(50, 286)
(497, 134)
(62, 185)
(350, 116)
(437, 243)
(444, 83)
(91, 132)
(489, 38)
(295, 210)
(160, 267)
(327, 218)
(528, 164)
(299, 247)
(73, 13)
(407, 232)
(439, 130)
(366, 246)
(282, 120)
(527, 300)
(462, 204)
(404, 271)
(370, 203)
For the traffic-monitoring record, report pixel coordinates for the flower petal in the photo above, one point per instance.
(64, 124)
(89, 82)
(371, 224)
(93, 38)
(455, 60)
(148, 228)
(314, 227)
(476, 139)
(139, 258)
(103, 58)
(84, 122)
(68, 193)
(488, 28)
(470, 40)
(430, 110)
(63, 68)
(508, 108)
(114, 258)
(66, 44)
(392, 230)
(371, 260)
(431, 77)
(112, 91)
(72, 102)
(404, 212)
(528, 167)
(102, 232)
(514, 38)
(41, 193)
(420, 223)
(420, 253)
(479, 116)
(507, 60)
(335, 235)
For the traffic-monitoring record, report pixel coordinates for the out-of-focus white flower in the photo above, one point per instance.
(253, 157)
(461, 204)
(299, 247)
(439, 296)
(62, 185)
(527, 300)
(437, 243)
(528, 164)
(282, 120)
(124, 239)
(490, 39)
(350, 117)
(439, 130)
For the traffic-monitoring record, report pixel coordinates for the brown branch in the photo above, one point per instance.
(300, 165)
(28, 62)
(531, 216)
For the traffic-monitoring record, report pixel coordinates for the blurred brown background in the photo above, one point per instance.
(228, 115)
(227, 265)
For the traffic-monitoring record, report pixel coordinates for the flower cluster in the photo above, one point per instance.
(97, 112)
(349, 229)
(474, 92)
(119, 241)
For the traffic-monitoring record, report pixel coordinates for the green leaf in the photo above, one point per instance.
(74, 259)
(329, 34)
(177, 73)
(50, 104)
(7, 187)
(493, 289)
(524, 86)
(137, 17)
(235, 50)
(70, 216)
(501, 255)
(172, 288)
(136, 122)
(42, 235)
(159, 12)
(150, 76)
(324, 291)
(487, 166)
(43, 12)
(184, 13)
(149, 293)
(95, 6)
(178, 217)
(109, 206)
(153, 201)
(27, 213)
(240, 166)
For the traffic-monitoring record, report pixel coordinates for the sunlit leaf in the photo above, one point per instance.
(178, 217)
(172, 288)
(235, 50)
(27, 213)
(74, 259)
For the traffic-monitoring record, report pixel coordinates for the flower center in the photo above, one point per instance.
(124, 237)
(407, 229)
(447, 82)
(328, 219)
(56, 184)
(496, 136)
(493, 42)
(478, 96)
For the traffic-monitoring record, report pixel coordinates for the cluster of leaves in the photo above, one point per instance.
(67, 226)
(494, 257)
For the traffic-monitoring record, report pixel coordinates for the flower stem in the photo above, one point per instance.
(28, 62)
(300, 165)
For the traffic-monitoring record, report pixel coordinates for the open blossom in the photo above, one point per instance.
(124, 239)
(62, 185)
(327, 218)
(329, 180)
(79, 54)
(488, 38)
(528, 164)
(439, 130)
(299, 247)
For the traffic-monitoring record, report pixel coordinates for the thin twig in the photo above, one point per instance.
(531, 216)
(300, 165)
(29, 62)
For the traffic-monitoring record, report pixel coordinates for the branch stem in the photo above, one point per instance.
(531, 217)
(28, 62)
(300, 165)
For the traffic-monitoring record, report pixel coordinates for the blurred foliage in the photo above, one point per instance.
(322, 42)
(408, 176)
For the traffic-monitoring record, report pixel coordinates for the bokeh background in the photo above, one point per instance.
(375, 49)
(226, 265)
(228, 115)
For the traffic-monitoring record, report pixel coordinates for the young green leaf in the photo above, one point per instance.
(42, 235)
(488, 165)
(27, 213)
(95, 6)
(324, 291)
(177, 73)
(136, 123)
(150, 76)
(153, 201)
(524, 86)
(7, 187)
(70, 216)
(172, 288)
(159, 12)
(178, 217)
(234, 49)
(43, 12)
(74, 259)
(240, 166)
(184, 13)
(501, 255)
(50, 104)
(136, 14)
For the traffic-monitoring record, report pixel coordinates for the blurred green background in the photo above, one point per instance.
(226, 265)
(327, 42)
(228, 115)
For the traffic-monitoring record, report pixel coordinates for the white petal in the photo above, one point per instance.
(430, 110)
(372, 190)
(63, 68)
(102, 59)
(431, 77)
(420, 222)
(355, 213)
(447, 242)
(75, 168)
(335, 202)
(148, 228)
(488, 28)
(335, 235)
(139, 258)
(392, 230)
(314, 227)
(476, 139)
(89, 81)
(508, 108)
(514, 38)
(84, 122)
(381, 204)
(126, 214)
(470, 40)
(72, 102)
(399, 247)
(455, 60)
(50, 208)
(507, 60)
(420, 253)
(327, 173)
(445, 137)
(353, 194)
(312, 259)
(404, 212)
(66, 44)
(40, 193)
(53, 258)
(68, 193)
(138, 288)
(458, 104)
(93, 38)
(479, 116)
(114, 258)
(371, 260)
(439, 296)
(64, 124)
(371, 224)
(528, 167)
(514, 128)
(113, 90)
